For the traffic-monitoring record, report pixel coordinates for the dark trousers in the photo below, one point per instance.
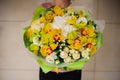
(73, 75)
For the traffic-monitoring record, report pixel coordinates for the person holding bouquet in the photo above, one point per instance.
(62, 39)
(62, 74)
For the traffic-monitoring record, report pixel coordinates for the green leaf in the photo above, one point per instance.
(38, 11)
(34, 47)
(78, 65)
(26, 41)
(44, 67)
(100, 40)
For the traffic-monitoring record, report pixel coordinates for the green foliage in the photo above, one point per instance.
(34, 47)
(100, 40)
(25, 39)
(38, 12)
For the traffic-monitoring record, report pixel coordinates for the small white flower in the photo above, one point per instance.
(63, 54)
(37, 25)
(76, 56)
(36, 41)
(57, 62)
(85, 54)
(83, 19)
(67, 59)
(50, 59)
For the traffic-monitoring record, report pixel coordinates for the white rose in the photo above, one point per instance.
(72, 51)
(85, 54)
(53, 55)
(50, 59)
(66, 49)
(63, 54)
(67, 60)
(76, 56)
(82, 49)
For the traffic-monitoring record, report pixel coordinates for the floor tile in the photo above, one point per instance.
(107, 76)
(87, 75)
(107, 58)
(90, 65)
(19, 75)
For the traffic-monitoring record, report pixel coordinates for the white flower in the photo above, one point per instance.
(81, 49)
(72, 51)
(76, 56)
(85, 53)
(58, 23)
(67, 59)
(37, 25)
(83, 19)
(36, 41)
(50, 59)
(67, 28)
(57, 62)
(66, 49)
(53, 55)
(63, 54)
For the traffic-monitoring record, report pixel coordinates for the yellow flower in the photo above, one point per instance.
(58, 35)
(69, 9)
(58, 11)
(29, 32)
(45, 50)
(88, 31)
(49, 16)
(70, 41)
(42, 19)
(92, 40)
(47, 28)
(53, 46)
(75, 43)
(74, 18)
(93, 49)
(81, 13)
(70, 21)
(83, 40)
(35, 53)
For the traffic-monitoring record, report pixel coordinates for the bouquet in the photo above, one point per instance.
(62, 38)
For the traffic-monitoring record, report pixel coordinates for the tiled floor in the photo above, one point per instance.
(17, 64)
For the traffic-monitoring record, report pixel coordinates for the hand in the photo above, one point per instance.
(62, 3)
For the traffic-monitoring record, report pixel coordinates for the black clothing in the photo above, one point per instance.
(72, 75)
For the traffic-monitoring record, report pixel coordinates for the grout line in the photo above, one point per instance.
(38, 69)
(112, 22)
(19, 69)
